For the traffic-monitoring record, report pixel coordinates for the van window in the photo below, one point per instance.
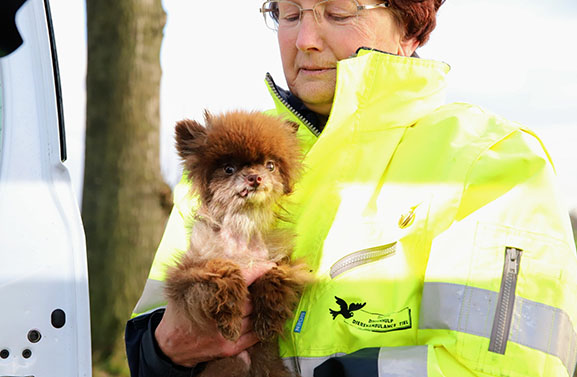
(10, 38)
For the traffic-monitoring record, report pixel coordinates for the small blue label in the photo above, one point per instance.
(299, 324)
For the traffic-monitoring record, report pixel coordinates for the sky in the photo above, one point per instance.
(511, 57)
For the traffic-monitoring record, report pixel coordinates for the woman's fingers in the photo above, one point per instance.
(247, 308)
(255, 271)
(247, 340)
(246, 326)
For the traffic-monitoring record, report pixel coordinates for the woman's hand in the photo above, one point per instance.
(186, 345)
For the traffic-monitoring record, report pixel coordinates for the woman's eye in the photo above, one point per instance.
(270, 165)
(229, 170)
(291, 17)
(338, 16)
(340, 11)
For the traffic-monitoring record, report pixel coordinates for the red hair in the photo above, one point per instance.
(417, 17)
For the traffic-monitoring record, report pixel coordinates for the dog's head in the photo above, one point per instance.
(239, 157)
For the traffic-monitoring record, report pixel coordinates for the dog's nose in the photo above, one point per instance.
(254, 180)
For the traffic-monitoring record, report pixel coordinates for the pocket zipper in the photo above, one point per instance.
(506, 301)
(362, 257)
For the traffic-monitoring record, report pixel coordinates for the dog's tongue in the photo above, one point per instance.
(244, 192)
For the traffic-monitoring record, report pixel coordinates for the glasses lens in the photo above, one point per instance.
(288, 14)
(338, 12)
(285, 14)
(281, 14)
(270, 12)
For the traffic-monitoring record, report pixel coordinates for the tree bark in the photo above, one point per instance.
(123, 207)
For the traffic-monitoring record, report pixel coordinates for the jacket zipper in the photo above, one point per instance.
(361, 257)
(308, 124)
(506, 301)
(316, 132)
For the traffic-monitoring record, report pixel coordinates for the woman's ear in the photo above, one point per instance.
(407, 47)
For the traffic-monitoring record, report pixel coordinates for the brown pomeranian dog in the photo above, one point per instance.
(240, 165)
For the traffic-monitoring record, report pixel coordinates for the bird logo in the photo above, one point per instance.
(346, 310)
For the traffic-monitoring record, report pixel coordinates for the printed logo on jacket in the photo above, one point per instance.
(357, 315)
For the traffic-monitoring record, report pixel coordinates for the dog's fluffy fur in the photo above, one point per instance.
(240, 166)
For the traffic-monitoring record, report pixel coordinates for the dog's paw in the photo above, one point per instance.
(228, 291)
(209, 292)
(274, 297)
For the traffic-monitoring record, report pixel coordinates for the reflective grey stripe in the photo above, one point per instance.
(305, 366)
(391, 362)
(152, 297)
(403, 361)
(547, 329)
(471, 310)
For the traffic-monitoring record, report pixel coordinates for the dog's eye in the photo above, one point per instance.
(229, 170)
(270, 165)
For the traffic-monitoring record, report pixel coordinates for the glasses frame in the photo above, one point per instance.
(360, 7)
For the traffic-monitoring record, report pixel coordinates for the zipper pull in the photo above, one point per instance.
(513, 255)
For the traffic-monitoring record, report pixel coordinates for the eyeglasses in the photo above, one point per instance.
(284, 14)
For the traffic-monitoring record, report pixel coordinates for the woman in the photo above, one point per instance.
(434, 231)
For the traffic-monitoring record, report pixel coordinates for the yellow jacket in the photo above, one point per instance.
(439, 244)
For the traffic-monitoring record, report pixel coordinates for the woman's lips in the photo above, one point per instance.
(314, 70)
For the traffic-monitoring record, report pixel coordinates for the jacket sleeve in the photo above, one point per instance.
(145, 359)
(144, 356)
(499, 295)
(509, 201)
(174, 242)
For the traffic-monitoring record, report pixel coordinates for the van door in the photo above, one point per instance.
(44, 305)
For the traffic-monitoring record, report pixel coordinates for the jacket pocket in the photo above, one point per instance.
(506, 301)
(513, 303)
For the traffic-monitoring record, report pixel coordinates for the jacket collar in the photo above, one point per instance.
(294, 103)
(404, 88)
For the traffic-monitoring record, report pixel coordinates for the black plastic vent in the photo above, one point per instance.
(58, 318)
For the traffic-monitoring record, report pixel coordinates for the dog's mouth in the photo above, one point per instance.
(245, 192)
(258, 193)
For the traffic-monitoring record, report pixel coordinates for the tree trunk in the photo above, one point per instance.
(123, 207)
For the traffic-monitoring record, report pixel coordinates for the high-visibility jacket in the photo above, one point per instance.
(435, 232)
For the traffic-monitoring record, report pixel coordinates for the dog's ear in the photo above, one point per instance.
(190, 137)
(207, 116)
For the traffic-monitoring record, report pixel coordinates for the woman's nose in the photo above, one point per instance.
(309, 33)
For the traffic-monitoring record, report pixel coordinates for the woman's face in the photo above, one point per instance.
(310, 51)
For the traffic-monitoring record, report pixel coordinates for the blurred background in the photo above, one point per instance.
(513, 58)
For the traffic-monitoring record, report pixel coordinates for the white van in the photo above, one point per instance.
(44, 305)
